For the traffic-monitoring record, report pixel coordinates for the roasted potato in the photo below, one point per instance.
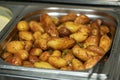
(42, 64)
(26, 35)
(37, 35)
(68, 42)
(28, 64)
(82, 19)
(68, 57)
(44, 56)
(23, 54)
(63, 31)
(105, 42)
(68, 68)
(56, 53)
(91, 62)
(23, 25)
(14, 46)
(48, 25)
(27, 45)
(41, 43)
(6, 54)
(68, 17)
(104, 29)
(100, 51)
(82, 54)
(14, 60)
(60, 43)
(36, 51)
(79, 36)
(71, 26)
(58, 62)
(91, 40)
(55, 20)
(77, 65)
(96, 27)
(33, 58)
(35, 26)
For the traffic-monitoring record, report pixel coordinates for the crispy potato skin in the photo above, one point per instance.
(105, 42)
(77, 65)
(55, 43)
(37, 35)
(82, 19)
(35, 26)
(92, 40)
(97, 49)
(104, 29)
(57, 61)
(33, 58)
(43, 64)
(15, 60)
(36, 51)
(91, 62)
(48, 25)
(63, 31)
(44, 56)
(82, 53)
(23, 54)
(42, 41)
(68, 17)
(71, 26)
(14, 46)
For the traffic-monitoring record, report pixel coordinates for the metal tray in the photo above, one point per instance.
(56, 10)
(13, 12)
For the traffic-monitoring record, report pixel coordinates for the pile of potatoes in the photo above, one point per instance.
(68, 42)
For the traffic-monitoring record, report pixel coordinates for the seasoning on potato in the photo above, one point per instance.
(68, 42)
